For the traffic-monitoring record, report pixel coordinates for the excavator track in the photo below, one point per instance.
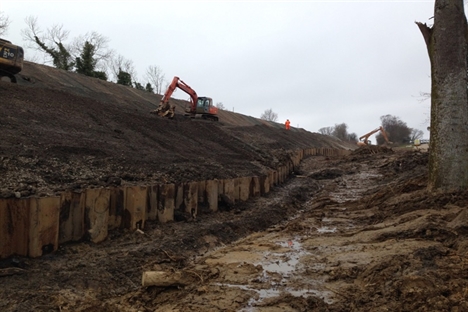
(200, 117)
(7, 76)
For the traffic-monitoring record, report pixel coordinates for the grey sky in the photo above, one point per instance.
(318, 63)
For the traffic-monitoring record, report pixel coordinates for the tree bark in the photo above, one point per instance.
(447, 47)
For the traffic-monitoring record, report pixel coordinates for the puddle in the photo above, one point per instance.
(263, 294)
(272, 292)
(326, 229)
(282, 267)
(283, 263)
(343, 223)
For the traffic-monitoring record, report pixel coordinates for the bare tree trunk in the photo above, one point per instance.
(447, 46)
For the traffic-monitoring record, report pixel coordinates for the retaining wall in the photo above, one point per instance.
(35, 226)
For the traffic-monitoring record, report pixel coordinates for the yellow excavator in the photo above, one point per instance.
(364, 140)
(11, 60)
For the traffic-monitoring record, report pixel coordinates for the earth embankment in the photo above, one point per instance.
(62, 130)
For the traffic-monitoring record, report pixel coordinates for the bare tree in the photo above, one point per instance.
(416, 134)
(352, 137)
(340, 131)
(446, 43)
(424, 96)
(156, 77)
(269, 115)
(4, 23)
(220, 106)
(102, 53)
(120, 64)
(396, 129)
(51, 43)
(326, 130)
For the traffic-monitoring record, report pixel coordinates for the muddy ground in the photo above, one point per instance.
(354, 233)
(357, 233)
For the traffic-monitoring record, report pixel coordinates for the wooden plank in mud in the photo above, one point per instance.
(265, 184)
(14, 227)
(135, 207)
(152, 208)
(97, 214)
(201, 191)
(179, 197)
(43, 225)
(116, 208)
(72, 222)
(166, 202)
(281, 174)
(220, 188)
(244, 188)
(229, 189)
(211, 189)
(191, 198)
(255, 189)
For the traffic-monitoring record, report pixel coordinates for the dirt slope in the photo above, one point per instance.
(61, 130)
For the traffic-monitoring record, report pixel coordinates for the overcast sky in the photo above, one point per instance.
(318, 63)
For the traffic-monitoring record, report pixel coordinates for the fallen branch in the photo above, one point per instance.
(11, 271)
(172, 258)
(336, 292)
(167, 255)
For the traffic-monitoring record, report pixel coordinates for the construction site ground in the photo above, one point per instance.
(352, 233)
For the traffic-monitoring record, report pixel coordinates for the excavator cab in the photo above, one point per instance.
(205, 106)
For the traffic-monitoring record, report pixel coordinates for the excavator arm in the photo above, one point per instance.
(364, 139)
(384, 133)
(366, 136)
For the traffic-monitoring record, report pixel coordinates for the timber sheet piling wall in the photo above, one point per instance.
(36, 226)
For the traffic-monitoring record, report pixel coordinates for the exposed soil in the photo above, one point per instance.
(61, 130)
(354, 233)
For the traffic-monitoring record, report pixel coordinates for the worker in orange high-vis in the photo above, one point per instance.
(287, 124)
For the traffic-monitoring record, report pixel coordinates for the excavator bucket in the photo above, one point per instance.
(164, 110)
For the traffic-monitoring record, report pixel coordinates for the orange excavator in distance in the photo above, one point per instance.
(364, 140)
(200, 107)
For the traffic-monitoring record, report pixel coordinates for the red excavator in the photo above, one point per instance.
(11, 60)
(364, 140)
(200, 107)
